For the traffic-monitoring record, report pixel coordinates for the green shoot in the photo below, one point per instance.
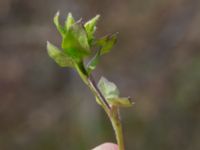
(78, 41)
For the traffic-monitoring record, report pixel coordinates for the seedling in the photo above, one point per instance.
(78, 44)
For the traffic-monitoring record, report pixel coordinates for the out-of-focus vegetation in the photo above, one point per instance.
(159, 67)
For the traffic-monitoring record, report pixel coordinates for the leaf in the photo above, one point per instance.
(121, 101)
(111, 93)
(75, 42)
(69, 21)
(108, 89)
(106, 43)
(57, 24)
(90, 27)
(59, 56)
(93, 62)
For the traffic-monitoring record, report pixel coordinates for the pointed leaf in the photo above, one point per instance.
(111, 93)
(69, 21)
(106, 43)
(121, 101)
(90, 27)
(57, 24)
(108, 89)
(93, 62)
(75, 42)
(59, 56)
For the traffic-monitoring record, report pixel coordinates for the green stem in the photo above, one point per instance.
(112, 112)
(89, 81)
(117, 126)
(114, 117)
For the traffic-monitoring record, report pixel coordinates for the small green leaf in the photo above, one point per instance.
(59, 56)
(111, 93)
(57, 24)
(93, 62)
(106, 43)
(75, 42)
(80, 33)
(108, 89)
(69, 21)
(121, 101)
(90, 27)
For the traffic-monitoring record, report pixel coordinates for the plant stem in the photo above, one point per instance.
(98, 94)
(111, 111)
(89, 81)
(117, 126)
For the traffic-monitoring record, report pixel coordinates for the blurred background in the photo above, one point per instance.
(156, 61)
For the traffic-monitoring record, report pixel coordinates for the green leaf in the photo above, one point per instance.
(108, 89)
(59, 56)
(121, 101)
(93, 62)
(69, 21)
(106, 43)
(75, 42)
(111, 93)
(90, 27)
(57, 24)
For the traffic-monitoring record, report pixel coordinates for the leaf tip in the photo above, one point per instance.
(57, 13)
(48, 44)
(69, 14)
(97, 17)
(56, 18)
(49, 48)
